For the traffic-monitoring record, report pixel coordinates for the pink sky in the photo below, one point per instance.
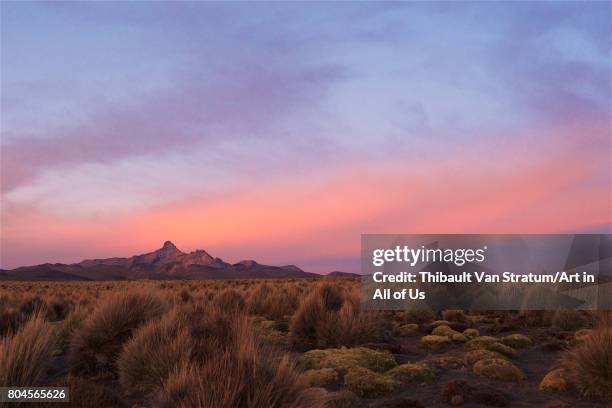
(282, 132)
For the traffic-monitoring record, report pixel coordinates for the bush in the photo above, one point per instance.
(498, 369)
(319, 377)
(589, 366)
(516, 341)
(412, 372)
(344, 358)
(367, 383)
(153, 353)
(97, 343)
(26, 355)
(435, 343)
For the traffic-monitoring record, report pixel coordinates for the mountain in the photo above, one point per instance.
(168, 262)
(339, 274)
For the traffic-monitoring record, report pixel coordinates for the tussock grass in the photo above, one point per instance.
(230, 301)
(274, 302)
(589, 366)
(26, 355)
(97, 343)
(153, 353)
(330, 317)
(242, 373)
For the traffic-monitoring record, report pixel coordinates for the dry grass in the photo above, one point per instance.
(26, 355)
(589, 366)
(230, 301)
(241, 373)
(96, 344)
(231, 343)
(330, 317)
(153, 353)
(274, 302)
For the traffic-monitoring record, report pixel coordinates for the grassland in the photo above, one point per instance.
(291, 343)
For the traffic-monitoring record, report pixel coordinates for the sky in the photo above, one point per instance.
(281, 132)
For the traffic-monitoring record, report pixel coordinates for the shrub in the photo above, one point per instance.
(589, 366)
(474, 356)
(344, 358)
(435, 343)
(412, 372)
(480, 342)
(516, 341)
(367, 383)
(502, 349)
(26, 355)
(554, 381)
(150, 356)
(319, 377)
(498, 369)
(96, 344)
(471, 333)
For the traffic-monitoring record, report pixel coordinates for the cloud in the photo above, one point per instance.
(239, 103)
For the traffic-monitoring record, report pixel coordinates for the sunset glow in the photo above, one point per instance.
(278, 134)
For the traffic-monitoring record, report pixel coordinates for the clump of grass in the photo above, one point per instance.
(330, 317)
(230, 301)
(67, 328)
(185, 296)
(154, 351)
(589, 366)
(243, 372)
(274, 302)
(96, 344)
(26, 355)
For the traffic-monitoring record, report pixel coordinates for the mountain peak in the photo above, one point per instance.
(169, 245)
